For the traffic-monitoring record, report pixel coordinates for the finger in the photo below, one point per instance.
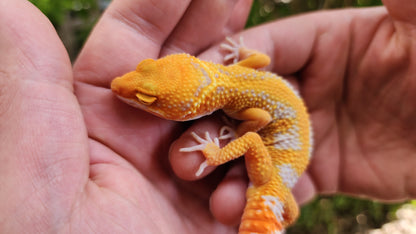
(320, 38)
(24, 48)
(228, 200)
(204, 23)
(128, 32)
(304, 190)
(238, 16)
(289, 49)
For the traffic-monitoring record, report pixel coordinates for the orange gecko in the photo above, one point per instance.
(274, 136)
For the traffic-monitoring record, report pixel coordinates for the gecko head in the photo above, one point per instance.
(137, 87)
(161, 87)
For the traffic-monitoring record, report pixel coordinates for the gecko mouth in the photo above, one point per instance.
(145, 99)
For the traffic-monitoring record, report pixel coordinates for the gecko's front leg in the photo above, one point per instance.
(250, 145)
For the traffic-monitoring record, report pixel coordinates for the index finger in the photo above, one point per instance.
(128, 32)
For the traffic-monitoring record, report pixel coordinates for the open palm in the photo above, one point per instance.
(77, 159)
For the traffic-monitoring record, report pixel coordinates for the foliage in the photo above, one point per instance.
(342, 214)
(73, 20)
(57, 10)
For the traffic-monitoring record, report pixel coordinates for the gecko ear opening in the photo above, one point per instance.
(145, 99)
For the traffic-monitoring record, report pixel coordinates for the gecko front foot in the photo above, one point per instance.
(208, 146)
(202, 143)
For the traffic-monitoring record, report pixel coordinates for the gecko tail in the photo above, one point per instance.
(269, 210)
(259, 218)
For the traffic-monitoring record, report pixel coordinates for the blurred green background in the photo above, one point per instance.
(74, 19)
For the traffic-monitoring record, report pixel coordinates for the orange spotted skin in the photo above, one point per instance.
(274, 136)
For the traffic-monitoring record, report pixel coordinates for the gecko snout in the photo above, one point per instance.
(116, 85)
(122, 87)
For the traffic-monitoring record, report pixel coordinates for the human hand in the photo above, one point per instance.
(47, 153)
(89, 163)
(356, 72)
(302, 55)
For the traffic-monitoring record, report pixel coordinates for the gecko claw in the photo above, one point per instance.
(230, 133)
(201, 168)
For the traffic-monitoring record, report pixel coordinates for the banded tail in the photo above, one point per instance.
(269, 209)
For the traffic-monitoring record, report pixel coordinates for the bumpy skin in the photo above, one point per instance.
(274, 136)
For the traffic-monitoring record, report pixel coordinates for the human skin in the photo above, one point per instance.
(73, 158)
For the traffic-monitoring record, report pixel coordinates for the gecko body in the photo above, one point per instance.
(274, 135)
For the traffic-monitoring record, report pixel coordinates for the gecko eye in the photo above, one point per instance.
(145, 99)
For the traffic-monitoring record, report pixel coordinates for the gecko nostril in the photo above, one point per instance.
(121, 87)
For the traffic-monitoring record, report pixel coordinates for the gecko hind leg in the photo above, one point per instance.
(226, 133)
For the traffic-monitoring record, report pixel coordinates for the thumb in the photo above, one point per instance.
(41, 129)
